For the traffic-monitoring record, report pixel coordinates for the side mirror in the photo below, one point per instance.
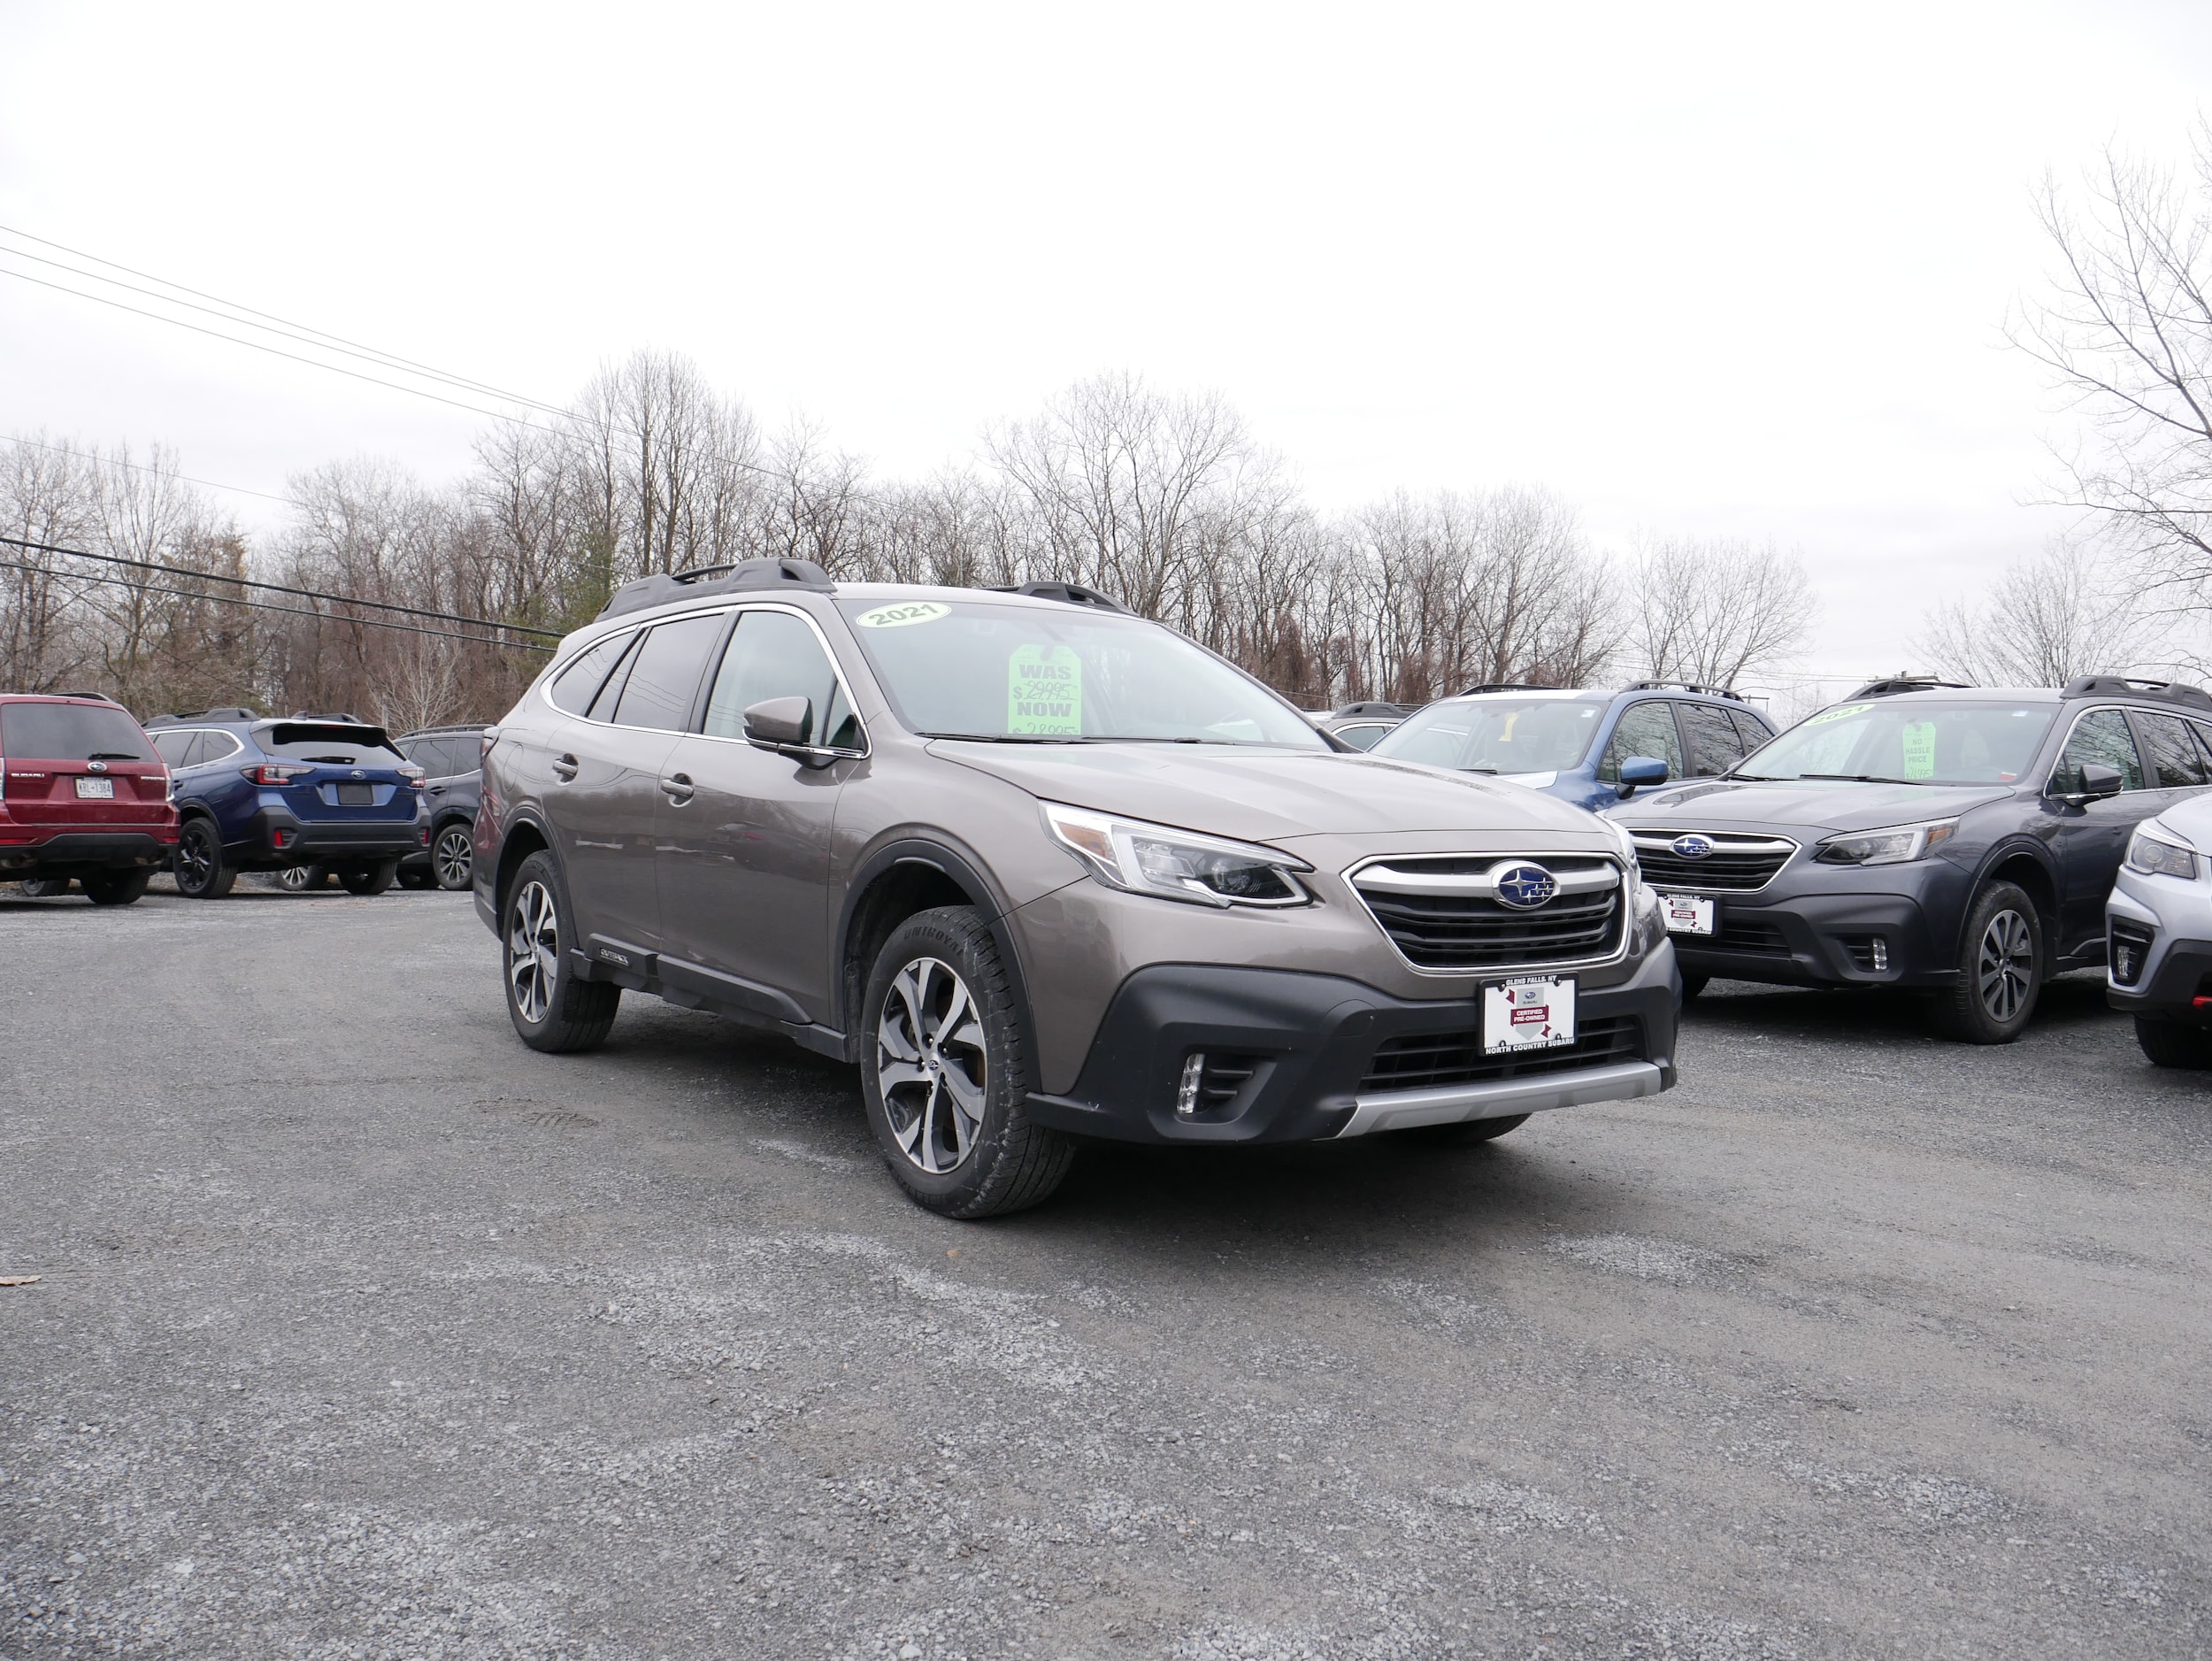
(2099, 780)
(781, 724)
(1642, 773)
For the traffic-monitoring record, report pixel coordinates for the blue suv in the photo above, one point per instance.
(261, 794)
(1581, 745)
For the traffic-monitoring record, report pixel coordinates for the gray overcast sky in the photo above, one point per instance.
(1701, 268)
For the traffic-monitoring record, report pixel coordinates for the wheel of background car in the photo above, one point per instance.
(2174, 1043)
(198, 864)
(373, 878)
(1693, 983)
(552, 1010)
(416, 877)
(2000, 969)
(300, 878)
(45, 887)
(946, 1072)
(1466, 1132)
(453, 857)
(116, 888)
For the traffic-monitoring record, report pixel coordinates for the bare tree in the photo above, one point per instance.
(1711, 611)
(50, 495)
(2066, 612)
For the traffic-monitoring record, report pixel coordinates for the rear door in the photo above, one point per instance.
(1710, 739)
(2094, 835)
(81, 767)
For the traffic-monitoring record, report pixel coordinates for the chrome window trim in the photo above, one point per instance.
(1500, 971)
(236, 745)
(2059, 755)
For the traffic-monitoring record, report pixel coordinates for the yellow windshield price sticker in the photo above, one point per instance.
(900, 615)
(1920, 741)
(1044, 691)
(1838, 713)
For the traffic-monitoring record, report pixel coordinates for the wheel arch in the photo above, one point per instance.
(2027, 867)
(524, 836)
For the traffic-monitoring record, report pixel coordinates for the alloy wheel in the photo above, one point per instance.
(299, 879)
(533, 946)
(2005, 966)
(453, 856)
(931, 1067)
(194, 863)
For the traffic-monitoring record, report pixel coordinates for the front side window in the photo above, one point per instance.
(665, 680)
(2101, 737)
(2176, 762)
(1898, 743)
(1495, 734)
(775, 655)
(1039, 673)
(1644, 729)
(1712, 739)
(72, 732)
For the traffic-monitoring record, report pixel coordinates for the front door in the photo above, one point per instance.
(744, 833)
(2094, 835)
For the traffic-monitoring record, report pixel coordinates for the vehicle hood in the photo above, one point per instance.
(1820, 804)
(2191, 818)
(1271, 796)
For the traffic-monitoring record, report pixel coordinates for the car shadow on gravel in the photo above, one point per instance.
(2072, 1003)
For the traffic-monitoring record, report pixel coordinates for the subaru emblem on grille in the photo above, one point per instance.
(1691, 847)
(1524, 887)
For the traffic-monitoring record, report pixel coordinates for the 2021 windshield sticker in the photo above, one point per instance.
(1044, 691)
(1838, 713)
(903, 614)
(1920, 748)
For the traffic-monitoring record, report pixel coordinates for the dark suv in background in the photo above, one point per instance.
(83, 796)
(1958, 841)
(452, 763)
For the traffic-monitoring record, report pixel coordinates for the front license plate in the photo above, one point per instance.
(102, 788)
(1533, 1012)
(1686, 914)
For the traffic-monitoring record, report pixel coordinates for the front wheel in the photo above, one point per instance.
(2001, 970)
(45, 887)
(116, 888)
(947, 1074)
(198, 864)
(2173, 1043)
(370, 879)
(552, 1009)
(453, 858)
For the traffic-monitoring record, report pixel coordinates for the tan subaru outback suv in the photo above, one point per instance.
(1045, 871)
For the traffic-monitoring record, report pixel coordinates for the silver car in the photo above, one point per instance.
(2158, 934)
(1046, 871)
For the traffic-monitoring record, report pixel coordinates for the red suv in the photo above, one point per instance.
(82, 794)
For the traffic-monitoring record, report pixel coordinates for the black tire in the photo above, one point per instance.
(198, 864)
(45, 887)
(116, 888)
(415, 877)
(1464, 1133)
(2001, 970)
(943, 1034)
(552, 1010)
(2174, 1043)
(1693, 983)
(453, 857)
(370, 879)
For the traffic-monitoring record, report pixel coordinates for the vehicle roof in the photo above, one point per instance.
(59, 697)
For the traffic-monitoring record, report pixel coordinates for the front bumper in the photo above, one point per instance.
(1820, 925)
(1301, 1051)
(277, 838)
(70, 853)
(2154, 932)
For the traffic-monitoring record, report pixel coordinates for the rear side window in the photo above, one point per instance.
(575, 686)
(1714, 746)
(774, 655)
(2102, 737)
(2176, 762)
(665, 679)
(1751, 732)
(1362, 737)
(1644, 729)
(213, 747)
(72, 732)
(172, 747)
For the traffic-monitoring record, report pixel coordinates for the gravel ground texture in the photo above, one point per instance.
(359, 1330)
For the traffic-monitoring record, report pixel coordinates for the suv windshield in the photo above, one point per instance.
(1496, 735)
(339, 746)
(70, 732)
(1907, 743)
(1039, 674)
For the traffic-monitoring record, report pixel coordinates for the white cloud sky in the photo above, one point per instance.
(1702, 269)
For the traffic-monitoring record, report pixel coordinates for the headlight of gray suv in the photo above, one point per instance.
(2155, 856)
(1891, 847)
(1176, 865)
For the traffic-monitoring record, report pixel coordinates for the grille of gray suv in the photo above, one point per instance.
(1443, 911)
(1737, 864)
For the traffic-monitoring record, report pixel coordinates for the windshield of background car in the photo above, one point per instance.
(339, 746)
(1913, 743)
(973, 669)
(70, 732)
(1496, 735)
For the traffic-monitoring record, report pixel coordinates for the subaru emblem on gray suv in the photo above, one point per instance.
(1693, 847)
(1524, 887)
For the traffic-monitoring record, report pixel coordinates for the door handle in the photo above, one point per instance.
(677, 787)
(437, 789)
(565, 768)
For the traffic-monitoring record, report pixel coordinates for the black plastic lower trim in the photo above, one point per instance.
(68, 852)
(2171, 993)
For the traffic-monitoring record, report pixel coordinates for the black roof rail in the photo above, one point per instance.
(448, 726)
(2127, 687)
(1506, 686)
(309, 715)
(1890, 686)
(231, 714)
(100, 696)
(1683, 686)
(1372, 707)
(745, 576)
(1071, 593)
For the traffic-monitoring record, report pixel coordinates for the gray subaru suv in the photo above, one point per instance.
(1046, 871)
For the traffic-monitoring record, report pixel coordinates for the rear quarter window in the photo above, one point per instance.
(70, 732)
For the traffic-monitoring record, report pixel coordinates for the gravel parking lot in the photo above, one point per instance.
(360, 1330)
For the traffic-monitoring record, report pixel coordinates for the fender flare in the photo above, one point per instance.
(2011, 846)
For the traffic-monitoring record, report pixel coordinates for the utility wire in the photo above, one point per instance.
(279, 588)
(262, 605)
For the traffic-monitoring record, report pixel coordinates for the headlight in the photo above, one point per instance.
(1628, 848)
(1891, 847)
(1176, 865)
(2155, 857)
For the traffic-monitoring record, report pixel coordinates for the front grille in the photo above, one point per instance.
(1738, 863)
(1751, 935)
(1473, 929)
(1426, 1061)
(2128, 949)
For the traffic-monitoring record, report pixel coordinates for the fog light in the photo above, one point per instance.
(1881, 954)
(1186, 1092)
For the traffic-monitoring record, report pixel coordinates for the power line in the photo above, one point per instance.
(281, 588)
(135, 466)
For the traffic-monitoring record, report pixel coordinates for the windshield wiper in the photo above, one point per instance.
(1861, 778)
(113, 755)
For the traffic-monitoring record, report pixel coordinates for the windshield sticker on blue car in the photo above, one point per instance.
(899, 616)
(1838, 713)
(1920, 745)
(1044, 691)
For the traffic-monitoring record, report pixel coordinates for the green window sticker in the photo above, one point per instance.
(903, 614)
(1838, 713)
(1044, 691)
(1920, 745)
